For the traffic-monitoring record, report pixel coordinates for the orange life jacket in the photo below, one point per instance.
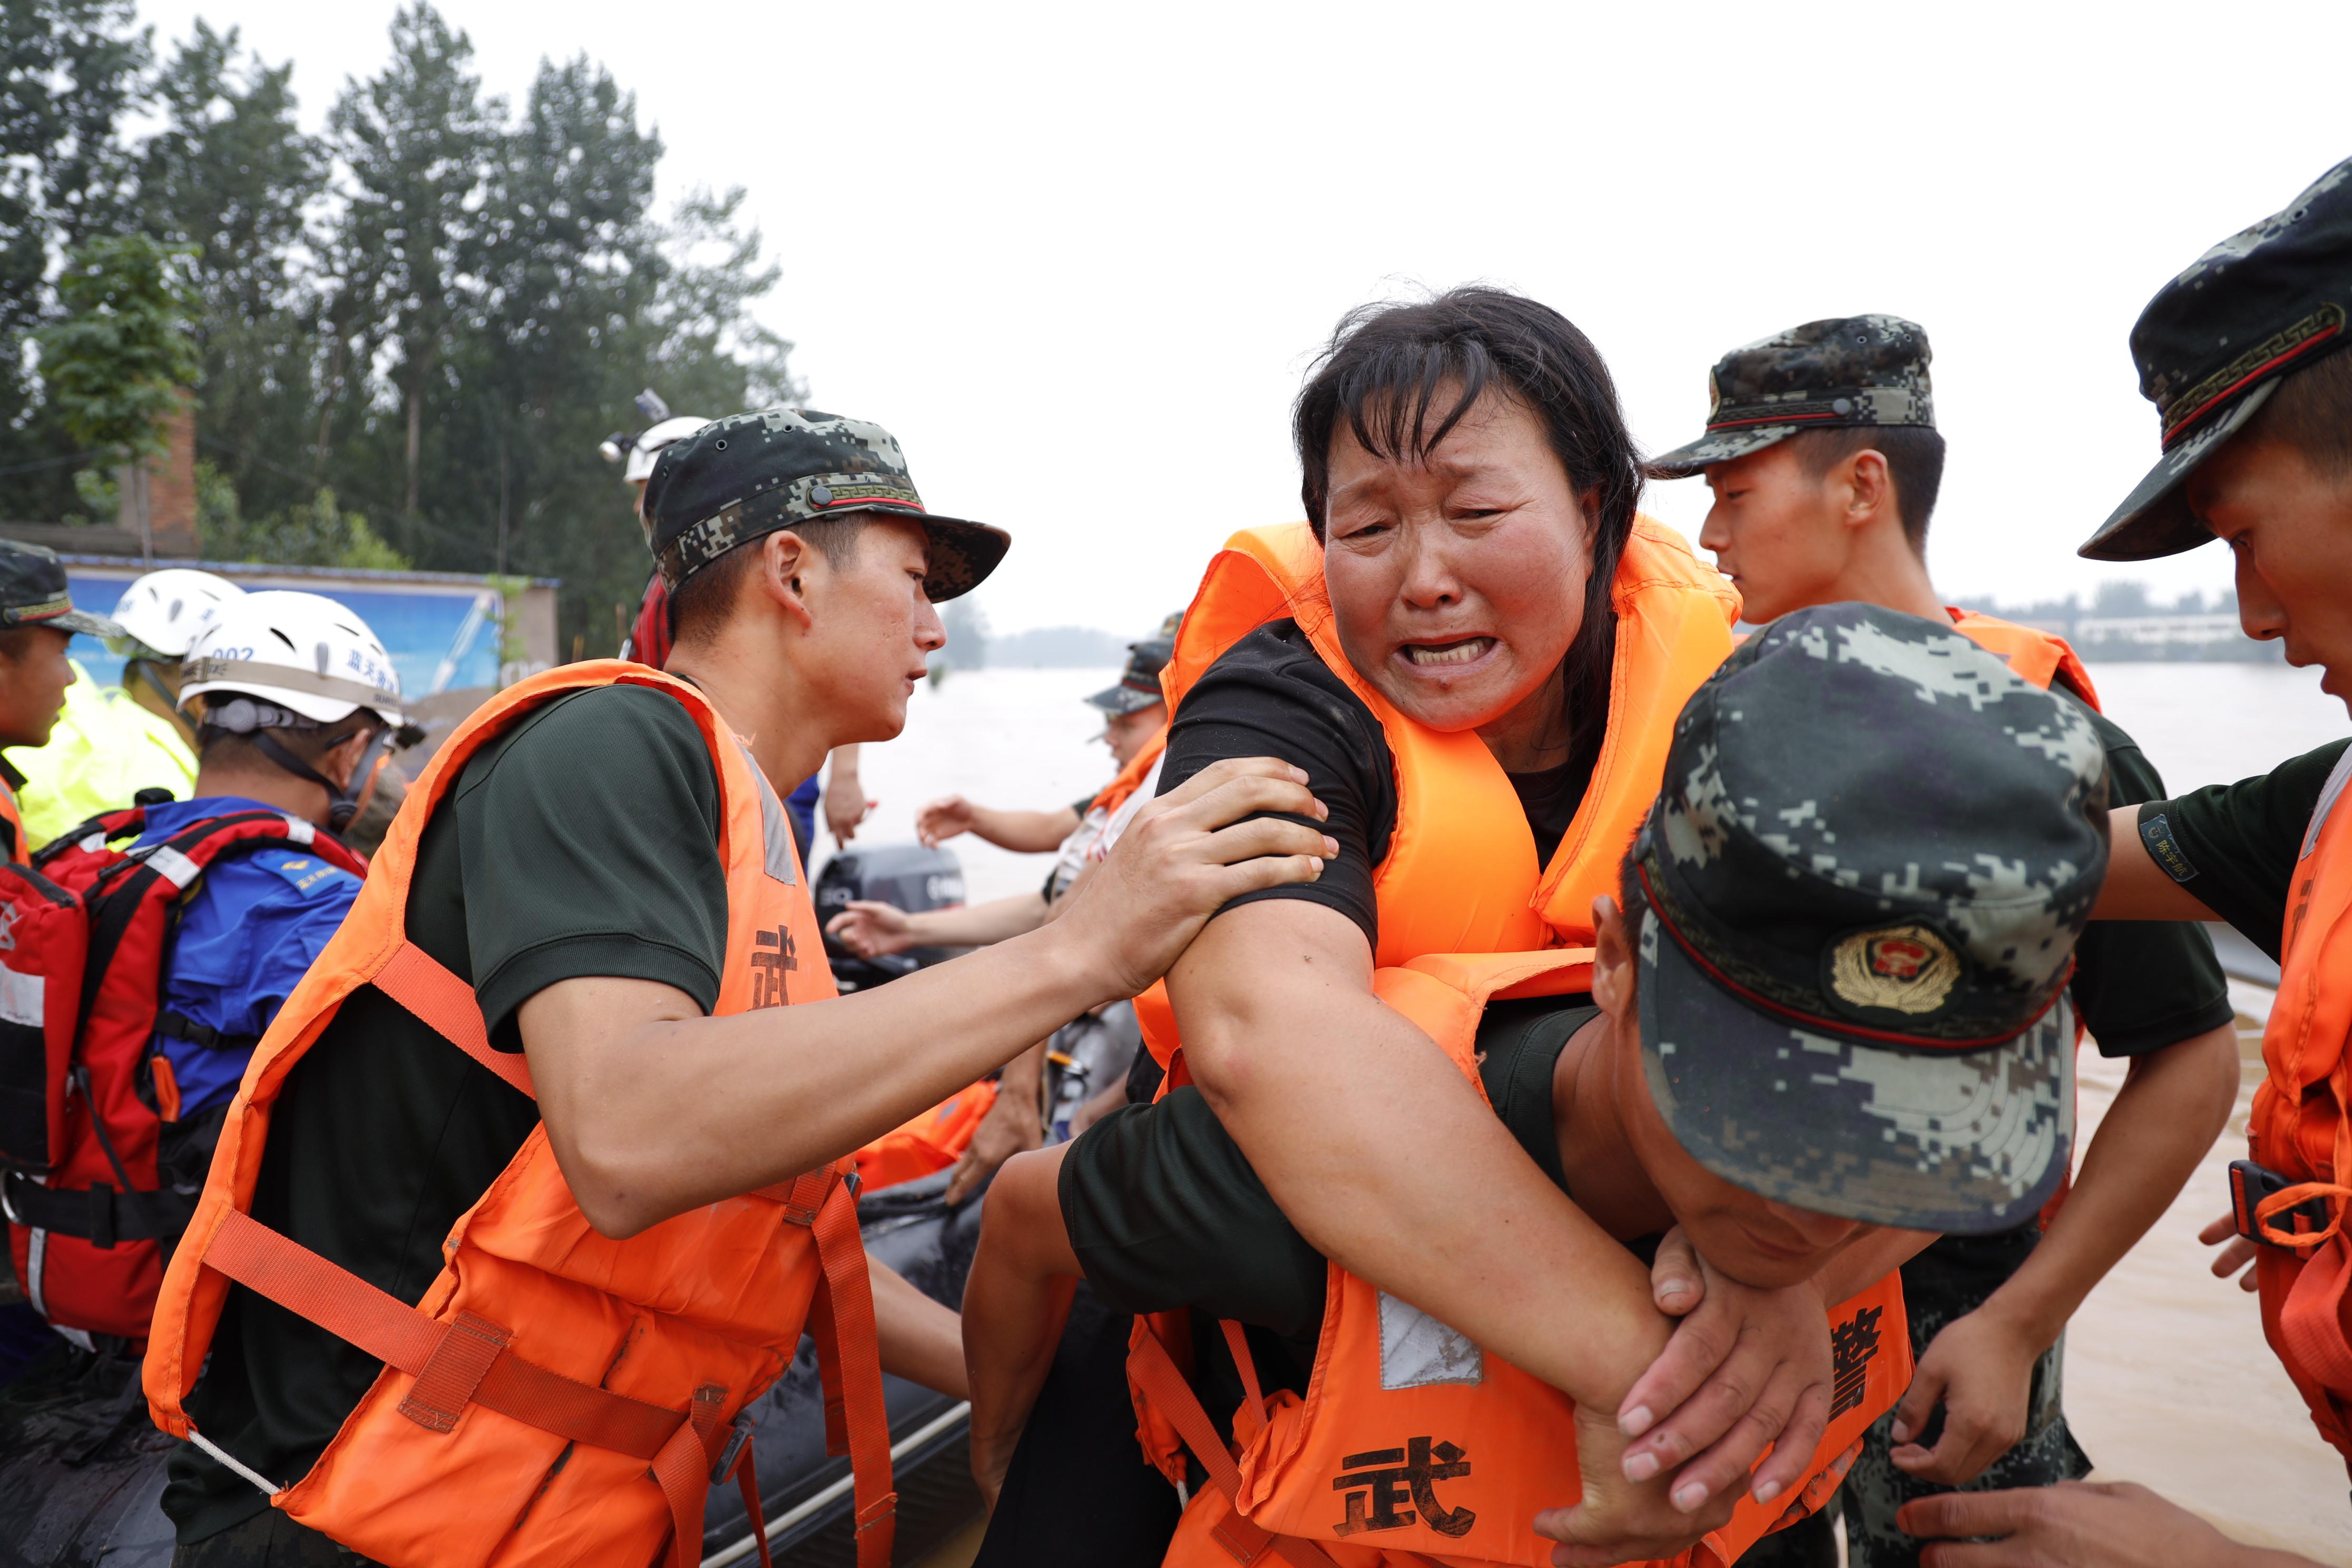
(1411, 1444)
(557, 1396)
(937, 1138)
(2291, 1192)
(1131, 778)
(2031, 655)
(929, 1142)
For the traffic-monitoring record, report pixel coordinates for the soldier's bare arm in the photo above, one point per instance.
(653, 1109)
(2137, 888)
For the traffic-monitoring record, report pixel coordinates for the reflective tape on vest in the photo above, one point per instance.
(173, 867)
(22, 998)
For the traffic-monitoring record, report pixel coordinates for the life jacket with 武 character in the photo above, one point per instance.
(2290, 1193)
(98, 1172)
(557, 1396)
(1412, 1445)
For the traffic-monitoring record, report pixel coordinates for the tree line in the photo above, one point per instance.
(409, 332)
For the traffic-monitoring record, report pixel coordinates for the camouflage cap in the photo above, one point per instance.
(33, 592)
(1851, 371)
(1138, 683)
(2213, 344)
(1866, 871)
(751, 474)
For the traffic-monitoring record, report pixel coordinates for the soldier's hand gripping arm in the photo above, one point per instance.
(1277, 1008)
(653, 1109)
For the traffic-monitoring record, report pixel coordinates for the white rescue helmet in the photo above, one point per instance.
(164, 611)
(651, 440)
(303, 652)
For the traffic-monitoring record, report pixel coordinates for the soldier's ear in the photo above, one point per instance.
(1872, 496)
(783, 557)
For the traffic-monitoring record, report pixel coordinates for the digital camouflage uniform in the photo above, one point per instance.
(1854, 959)
(1862, 372)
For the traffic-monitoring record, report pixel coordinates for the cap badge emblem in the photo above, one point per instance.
(1900, 968)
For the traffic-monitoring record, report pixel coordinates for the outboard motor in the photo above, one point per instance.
(907, 876)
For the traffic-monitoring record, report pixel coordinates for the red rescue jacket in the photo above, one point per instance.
(85, 1099)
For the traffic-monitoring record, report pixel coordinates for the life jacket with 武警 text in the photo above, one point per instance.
(1412, 1445)
(557, 1395)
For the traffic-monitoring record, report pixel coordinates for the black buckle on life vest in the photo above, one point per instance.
(738, 1433)
(2250, 1183)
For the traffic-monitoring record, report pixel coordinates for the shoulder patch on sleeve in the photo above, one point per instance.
(308, 873)
(2164, 849)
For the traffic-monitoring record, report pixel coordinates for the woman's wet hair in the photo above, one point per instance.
(1402, 376)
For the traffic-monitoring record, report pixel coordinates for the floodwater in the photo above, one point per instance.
(2167, 1380)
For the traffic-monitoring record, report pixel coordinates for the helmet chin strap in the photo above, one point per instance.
(343, 800)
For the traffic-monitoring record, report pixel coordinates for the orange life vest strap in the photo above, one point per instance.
(849, 1366)
(447, 1005)
(2311, 1319)
(747, 1480)
(1165, 1387)
(398, 1334)
(1253, 1395)
(466, 1361)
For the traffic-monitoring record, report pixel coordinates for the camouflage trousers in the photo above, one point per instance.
(1949, 1280)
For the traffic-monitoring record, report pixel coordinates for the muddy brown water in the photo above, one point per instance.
(2168, 1382)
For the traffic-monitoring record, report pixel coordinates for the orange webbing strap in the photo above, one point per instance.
(683, 1468)
(2311, 1318)
(448, 1006)
(455, 1365)
(849, 1364)
(2290, 1198)
(1147, 1363)
(1253, 1398)
(748, 1480)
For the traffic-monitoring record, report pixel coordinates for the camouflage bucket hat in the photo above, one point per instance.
(1846, 371)
(751, 474)
(2214, 343)
(1866, 872)
(33, 592)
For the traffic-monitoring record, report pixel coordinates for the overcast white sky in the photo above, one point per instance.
(1078, 257)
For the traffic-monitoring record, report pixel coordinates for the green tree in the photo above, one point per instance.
(231, 172)
(418, 141)
(317, 532)
(68, 71)
(122, 356)
(413, 330)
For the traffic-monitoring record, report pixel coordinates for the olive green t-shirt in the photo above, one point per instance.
(583, 842)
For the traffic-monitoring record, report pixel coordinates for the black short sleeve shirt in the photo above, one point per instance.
(2235, 846)
(2141, 985)
(582, 842)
